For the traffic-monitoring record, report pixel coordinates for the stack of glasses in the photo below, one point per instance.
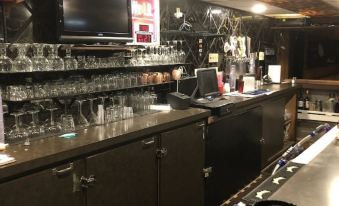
(38, 61)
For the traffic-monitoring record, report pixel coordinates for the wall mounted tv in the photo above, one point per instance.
(94, 20)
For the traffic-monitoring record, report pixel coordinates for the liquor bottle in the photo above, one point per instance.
(336, 108)
(300, 101)
(331, 103)
(233, 78)
(306, 101)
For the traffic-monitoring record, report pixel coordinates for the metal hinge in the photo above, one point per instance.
(203, 126)
(207, 171)
(161, 153)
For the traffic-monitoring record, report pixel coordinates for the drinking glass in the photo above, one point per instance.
(182, 54)
(81, 121)
(140, 58)
(56, 63)
(40, 63)
(92, 117)
(5, 61)
(34, 129)
(21, 63)
(67, 120)
(82, 63)
(91, 62)
(70, 62)
(18, 131)
(52, 126)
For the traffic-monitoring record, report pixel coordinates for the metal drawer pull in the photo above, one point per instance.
(148, 142)
(63, 171)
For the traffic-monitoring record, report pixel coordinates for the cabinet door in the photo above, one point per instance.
(273, 129)
(126, 176)
(52, 187)
(233, 153)
(181, 177)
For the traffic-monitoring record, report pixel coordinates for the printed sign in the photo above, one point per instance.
(146, 22)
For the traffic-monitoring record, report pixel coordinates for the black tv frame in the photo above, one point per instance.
(91, 37)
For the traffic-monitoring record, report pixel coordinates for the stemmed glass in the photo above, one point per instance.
(34, 129)
(40, 62)
(56, 63)
(69, 61)
(18, 131)
(92, 117)
(5, 61)
(52, 126)
(82, 121)
(182, 53)
(22, 63)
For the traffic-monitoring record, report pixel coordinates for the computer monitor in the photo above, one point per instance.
(207, 82)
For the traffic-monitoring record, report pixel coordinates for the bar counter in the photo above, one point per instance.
(47, 152)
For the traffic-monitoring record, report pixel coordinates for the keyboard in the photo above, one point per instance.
(218, 106)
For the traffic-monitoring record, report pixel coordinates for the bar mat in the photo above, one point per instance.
(273, 183)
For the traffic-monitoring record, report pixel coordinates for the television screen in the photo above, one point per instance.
(95, 20)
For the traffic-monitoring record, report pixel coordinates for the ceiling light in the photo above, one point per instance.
(216, 11)
(259, 8)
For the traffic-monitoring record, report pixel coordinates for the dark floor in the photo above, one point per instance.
(303, 129)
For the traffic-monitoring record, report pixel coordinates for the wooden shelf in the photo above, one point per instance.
(318, 116)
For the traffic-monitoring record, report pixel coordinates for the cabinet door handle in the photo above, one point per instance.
(147, 143)
(262, 141)
(63, 172)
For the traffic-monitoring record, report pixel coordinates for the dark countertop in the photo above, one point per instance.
(244, 102)
(279, 90)
(55, 150)
(50, 152)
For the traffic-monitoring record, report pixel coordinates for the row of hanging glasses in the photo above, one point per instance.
(101, 110)
(76, 85)
(169, 53)
(38, 61)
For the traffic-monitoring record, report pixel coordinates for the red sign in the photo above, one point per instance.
(146, 21)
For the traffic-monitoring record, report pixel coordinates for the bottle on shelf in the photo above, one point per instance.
(307, 101)
(331, 103)
(233, 78)
(336, 107)
(300, 101)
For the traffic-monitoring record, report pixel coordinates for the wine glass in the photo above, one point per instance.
(81, 121)
(69, 61)
(52, 126)
(5, 61)
(21, 63)
(40, 63)
(18, 131)
(34, 129)
(182, 54)
(92, 117)
(56, 63)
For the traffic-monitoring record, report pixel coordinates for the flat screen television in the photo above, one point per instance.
(94, 20)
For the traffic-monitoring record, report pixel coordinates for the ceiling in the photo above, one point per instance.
(312, 8)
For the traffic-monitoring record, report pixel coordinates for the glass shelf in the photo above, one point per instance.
(98, 69)
(87, 93)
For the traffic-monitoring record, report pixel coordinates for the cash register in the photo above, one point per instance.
(207, 95)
